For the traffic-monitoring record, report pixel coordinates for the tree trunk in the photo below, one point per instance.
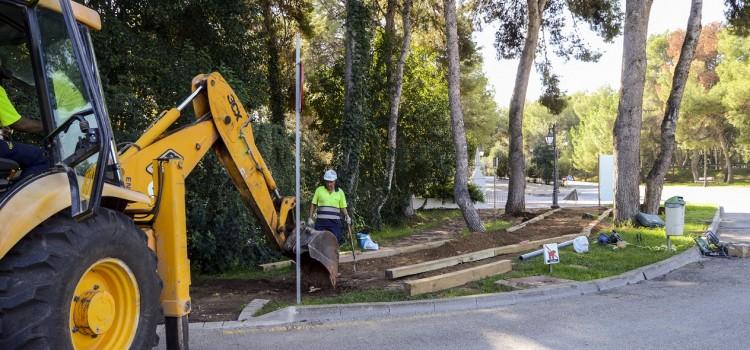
(695, 159)
(395, 86)
(627, 128)
(356, 111)
(461, 189)
(655, 178)
(716, 158)
(275, 93)
(685, 159)
(724, 144)
(516, 202)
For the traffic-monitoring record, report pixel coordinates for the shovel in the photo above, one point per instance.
(351, 241)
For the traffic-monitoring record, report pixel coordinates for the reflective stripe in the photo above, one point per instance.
(329, 213)
(328, 216)
(329, 210)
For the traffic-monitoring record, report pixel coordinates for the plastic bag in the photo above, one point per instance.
(581, 244)
(366, 243)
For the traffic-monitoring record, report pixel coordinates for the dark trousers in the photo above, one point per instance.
(31, 158)
(330, 225)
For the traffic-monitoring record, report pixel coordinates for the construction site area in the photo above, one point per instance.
(421, 264)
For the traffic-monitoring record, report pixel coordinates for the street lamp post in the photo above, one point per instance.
(551, 140)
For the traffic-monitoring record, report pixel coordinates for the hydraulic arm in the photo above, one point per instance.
(160, 160)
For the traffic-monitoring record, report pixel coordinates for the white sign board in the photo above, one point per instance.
(606, 178)
(551, 254)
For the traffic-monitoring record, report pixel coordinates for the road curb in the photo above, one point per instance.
(296, 315)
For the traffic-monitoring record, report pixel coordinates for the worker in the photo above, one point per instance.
(329, 207)
(31, 159)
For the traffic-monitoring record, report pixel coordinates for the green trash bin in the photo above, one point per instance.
(674, 209)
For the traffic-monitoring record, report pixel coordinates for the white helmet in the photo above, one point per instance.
(330, 175)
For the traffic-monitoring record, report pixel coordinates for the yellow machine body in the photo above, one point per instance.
(43, 198)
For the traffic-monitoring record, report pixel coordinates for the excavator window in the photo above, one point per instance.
(64, 85)
(49, 55)
(17, 83)
(16, 73)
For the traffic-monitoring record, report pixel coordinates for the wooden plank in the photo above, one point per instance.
(515, 248)
(559, 239)
(432, 265)
(457, 278)
(438, 264)
(345, 257)
(587, 230)
(276, 265)
(532, 220)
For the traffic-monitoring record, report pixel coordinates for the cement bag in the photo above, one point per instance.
(581, 244)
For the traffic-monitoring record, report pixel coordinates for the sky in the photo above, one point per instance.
(666, 15)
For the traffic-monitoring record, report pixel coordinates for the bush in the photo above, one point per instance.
(222, 232)
(445, 192)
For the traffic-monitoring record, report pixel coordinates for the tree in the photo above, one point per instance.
(629, 111)
(511, 41)
(461, 190)
(356, 110)
(395, 78)
(593, 134)
(655, 178)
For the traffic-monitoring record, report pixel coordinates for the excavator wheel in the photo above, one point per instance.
(80, 285)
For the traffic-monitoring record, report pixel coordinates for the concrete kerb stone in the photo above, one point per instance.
(618, 281)
(251, 308)
(714, 227)
(408, 308)
(341, 312)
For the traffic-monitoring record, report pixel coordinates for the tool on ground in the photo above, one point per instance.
(113, 221)
(351, 242)
(709, 245)
(611, 238)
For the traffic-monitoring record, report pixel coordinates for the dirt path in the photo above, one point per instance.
(221, 299)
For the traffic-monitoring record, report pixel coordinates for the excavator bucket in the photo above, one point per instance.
(319, 254)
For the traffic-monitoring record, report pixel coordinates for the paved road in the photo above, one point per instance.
(700, 306)
(734, 199)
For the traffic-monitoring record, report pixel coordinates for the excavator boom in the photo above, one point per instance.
(158, 162)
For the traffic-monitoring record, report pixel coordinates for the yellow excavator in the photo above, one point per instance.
(93, 252)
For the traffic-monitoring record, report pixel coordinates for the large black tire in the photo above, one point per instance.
(39, 275)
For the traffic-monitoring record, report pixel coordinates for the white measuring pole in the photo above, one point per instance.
(298, 107)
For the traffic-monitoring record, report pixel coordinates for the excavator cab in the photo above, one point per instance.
(46, 52)
(93, 251)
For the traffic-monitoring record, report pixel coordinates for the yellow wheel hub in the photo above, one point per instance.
(105, 307)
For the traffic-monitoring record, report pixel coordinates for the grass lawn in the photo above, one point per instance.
(599, 262)
(603, 261)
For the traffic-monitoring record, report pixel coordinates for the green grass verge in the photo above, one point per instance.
(603, 261)
(599, 262)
